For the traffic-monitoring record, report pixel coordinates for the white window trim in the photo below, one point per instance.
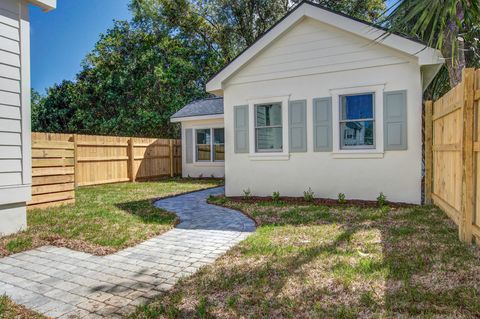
(283, 155)
(376, 152)
(196, 162)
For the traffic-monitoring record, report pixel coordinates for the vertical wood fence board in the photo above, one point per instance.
(455, 154)
(428, 151)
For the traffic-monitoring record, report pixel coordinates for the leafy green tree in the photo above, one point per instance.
(227, 27)
(133, 81)
(54, 112)
(36, 105)
(444, 24)
(141, 72)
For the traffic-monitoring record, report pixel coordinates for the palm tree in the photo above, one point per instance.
(441, 24)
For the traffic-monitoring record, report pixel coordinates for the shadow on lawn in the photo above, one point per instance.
(147, 212)
(407, 263)
(431, 273)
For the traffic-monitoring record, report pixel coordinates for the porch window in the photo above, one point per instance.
(204, 141)
(357, 121)
(268, 127)
(210, 145)
(218, 144)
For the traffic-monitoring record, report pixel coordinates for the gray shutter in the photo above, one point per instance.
(322, 124)
(189, 145)
(240, 118)
(297, 126)
(395, 120)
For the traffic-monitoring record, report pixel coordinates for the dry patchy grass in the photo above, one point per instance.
(10, 310)
(104, 219)
(314, 261)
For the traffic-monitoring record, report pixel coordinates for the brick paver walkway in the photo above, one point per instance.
(60, 282)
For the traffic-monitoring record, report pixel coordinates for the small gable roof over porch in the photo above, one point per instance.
(200, 109)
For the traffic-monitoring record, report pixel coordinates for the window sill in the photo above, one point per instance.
(270, 157)
(209, 164)
(365, 154)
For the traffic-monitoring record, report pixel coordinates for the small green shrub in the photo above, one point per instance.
(276, 196)
(247, 193)
(308, 195)
(212, 176)
(200, 176)
(341, 198)
(381, 200)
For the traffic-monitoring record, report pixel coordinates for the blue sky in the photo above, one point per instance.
(60, 39)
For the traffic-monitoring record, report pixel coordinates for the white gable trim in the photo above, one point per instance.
(46, 5)
(425, 55)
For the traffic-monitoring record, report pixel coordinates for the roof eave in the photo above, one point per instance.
(46, 5)
(196, 118)
(424, 54)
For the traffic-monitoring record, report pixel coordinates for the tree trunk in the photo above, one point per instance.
(453, 48)
(456, 63)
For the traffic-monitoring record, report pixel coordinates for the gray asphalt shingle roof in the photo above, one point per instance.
(210, 106)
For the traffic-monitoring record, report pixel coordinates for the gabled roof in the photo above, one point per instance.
(46, 5)
(426, 56)
(200, 108)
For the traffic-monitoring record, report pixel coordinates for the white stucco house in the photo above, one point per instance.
(15, 128)
(321, 100)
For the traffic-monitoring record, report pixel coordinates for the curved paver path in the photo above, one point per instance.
(60, 282)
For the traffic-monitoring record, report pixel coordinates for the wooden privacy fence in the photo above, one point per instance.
(452, 150)
(62, 161)
(53, 160)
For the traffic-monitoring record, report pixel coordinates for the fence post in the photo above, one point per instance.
(131, 159)
(467, 208)
(75, 161)
(170, 148)
(428, 151)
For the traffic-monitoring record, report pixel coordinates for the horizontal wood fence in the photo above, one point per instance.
(452, 150)
(62, 161)
(53, 159)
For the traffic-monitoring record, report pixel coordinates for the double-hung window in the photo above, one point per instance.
(268, 127)
(357, 121)
(210, 145)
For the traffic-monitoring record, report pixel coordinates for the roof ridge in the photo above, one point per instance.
(309, 2)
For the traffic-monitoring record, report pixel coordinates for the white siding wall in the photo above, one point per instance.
(15, 168)
(308, 62)
(10, 113)
(217, 169)
(312, 47)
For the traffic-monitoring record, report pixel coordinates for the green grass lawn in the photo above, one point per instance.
(313, 261)
(104, 219)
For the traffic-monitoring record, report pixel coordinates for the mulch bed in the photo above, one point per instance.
(316, 201)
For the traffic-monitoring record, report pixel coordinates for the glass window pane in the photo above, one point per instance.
(269, 139)
(203, 145)
(203, 136)
(355, 134)
(357, 107)
(203, 152)
(268, 115)
(219, 152)
(218, 136)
